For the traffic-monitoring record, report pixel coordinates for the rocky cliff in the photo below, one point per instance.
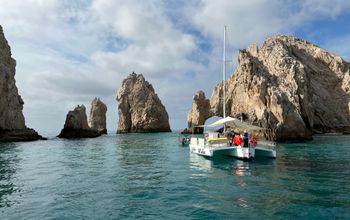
(199, 113)
(139, 108)
(289, 86)
(97, 119)
(76, 125)
(12, 123)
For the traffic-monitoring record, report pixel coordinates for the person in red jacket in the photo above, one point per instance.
(253, 141)
(237, 140)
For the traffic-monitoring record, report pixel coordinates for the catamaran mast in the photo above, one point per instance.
(224, 76)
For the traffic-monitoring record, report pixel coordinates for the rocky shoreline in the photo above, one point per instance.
(71, 133)
(18, 135)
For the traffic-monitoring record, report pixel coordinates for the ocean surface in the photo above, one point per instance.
(150, 176)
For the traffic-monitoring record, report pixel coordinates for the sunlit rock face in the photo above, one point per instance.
(289, 86)
(199, 113)
(140, 110)
(97, 119)
(12, 123)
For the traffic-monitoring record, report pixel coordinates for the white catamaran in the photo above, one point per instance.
(214, 143)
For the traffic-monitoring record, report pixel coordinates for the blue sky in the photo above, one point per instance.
(70, 51)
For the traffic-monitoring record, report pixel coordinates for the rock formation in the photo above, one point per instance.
(140, 110)
(97, 119)
(12, 123)
(289, 86)
(199, 113)
(76, 125)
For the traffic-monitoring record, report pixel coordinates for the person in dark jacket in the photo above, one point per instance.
(245, 139)
(230, 135)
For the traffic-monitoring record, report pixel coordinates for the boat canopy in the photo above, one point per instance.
(235, 123)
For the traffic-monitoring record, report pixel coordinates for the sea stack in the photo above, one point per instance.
(12, 122)
(97, 119)
(76, 125)
(289, 86)
(199, 113)
(140, 110)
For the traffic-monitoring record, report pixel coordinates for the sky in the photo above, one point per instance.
(70, 51)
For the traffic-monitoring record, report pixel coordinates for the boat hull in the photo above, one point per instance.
(263, 152)
(237, 152)
(241, 153)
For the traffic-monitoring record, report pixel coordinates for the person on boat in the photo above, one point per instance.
(237, 141)
(245, 137)
(253, 141)
(184, 140)
(230, 135)
(227, 132)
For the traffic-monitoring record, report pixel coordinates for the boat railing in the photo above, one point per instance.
(217, 145)
(209, 142)
(216, 142)
(197, 141)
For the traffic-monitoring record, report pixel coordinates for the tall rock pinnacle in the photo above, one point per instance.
(139, 108)
(97, 119)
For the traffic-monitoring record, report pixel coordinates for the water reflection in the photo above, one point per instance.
(207, 165)
(9, 161)
(200, 163)
(242, 203)
(241, 168)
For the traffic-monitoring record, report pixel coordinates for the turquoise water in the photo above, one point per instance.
(149, 176)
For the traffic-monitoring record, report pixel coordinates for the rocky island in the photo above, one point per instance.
(76, 125)
(289, 86)
(140, 110)
(97, 119)
(12, 122)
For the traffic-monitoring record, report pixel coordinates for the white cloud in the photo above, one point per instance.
(247, 20)
(254, 20)
(154, 45)
(310, 10)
